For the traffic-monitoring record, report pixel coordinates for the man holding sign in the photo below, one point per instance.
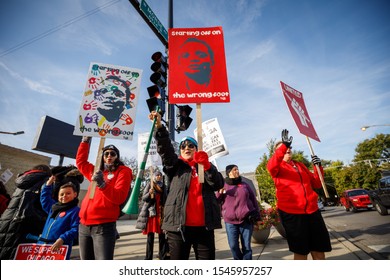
(191, 210)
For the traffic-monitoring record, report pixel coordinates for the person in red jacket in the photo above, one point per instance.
(297, 202)
(98, 215)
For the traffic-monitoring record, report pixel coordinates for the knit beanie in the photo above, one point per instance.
(229, 168)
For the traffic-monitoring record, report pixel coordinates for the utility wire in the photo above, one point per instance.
(57, 28)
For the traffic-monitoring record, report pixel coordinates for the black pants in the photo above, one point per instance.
(162, 246)
(199, 238)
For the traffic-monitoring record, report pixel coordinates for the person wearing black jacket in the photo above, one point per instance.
(24, 213)
(191, 212)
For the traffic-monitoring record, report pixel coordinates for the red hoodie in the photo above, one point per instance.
(294, 185)
(104, 207)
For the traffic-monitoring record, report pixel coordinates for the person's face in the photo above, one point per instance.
(113, 99)
(187, 150)
(288, 155)
(66, 194)
(158, 177)
(109, 156)
(195, 57)
(234, 173)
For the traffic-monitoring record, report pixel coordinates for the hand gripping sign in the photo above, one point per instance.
(197, 70)
(296, 105)
(108, 106)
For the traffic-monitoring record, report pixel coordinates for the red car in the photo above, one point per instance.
(355, 199)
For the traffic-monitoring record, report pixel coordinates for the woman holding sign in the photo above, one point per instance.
(98, 215)
(297, 202)
(191, 210)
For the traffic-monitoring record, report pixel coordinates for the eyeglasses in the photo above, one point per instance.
(189, 145)
(113, 154)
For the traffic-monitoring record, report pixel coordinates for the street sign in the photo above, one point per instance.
(153, 19)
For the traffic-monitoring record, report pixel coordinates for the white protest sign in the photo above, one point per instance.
(213, 142)
(154, 158)
(7, 174)
(108, 106)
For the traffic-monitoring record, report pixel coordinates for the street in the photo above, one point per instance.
(366, 229)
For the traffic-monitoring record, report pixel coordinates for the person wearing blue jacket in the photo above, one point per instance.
(62, 224)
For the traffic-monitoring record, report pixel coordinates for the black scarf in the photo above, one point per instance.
(233, 181)
(60, 207)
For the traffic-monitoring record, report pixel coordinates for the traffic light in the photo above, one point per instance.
(159, 67)
(183, 120)
(157, 96)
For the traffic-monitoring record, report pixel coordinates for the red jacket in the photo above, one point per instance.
(105, 205)
(294, 186)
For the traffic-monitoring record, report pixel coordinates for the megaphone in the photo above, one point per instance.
(131, 207)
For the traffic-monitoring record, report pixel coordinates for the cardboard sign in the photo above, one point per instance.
(197, 66)
(33, 251)
(154, 158)
(213, 142)
(296, 105)
(108, 106)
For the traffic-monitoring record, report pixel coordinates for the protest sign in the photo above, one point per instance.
(33, 251)
(5, 176)
(197, 66)
(153, 158)
(296, 105)
(109, 102)
(213, 141)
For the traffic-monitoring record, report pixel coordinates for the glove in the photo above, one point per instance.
(98, 178)
(202, 157)
(86, 139)
(315, 160)
(286, 141)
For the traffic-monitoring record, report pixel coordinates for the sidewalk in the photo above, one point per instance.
(132, 246)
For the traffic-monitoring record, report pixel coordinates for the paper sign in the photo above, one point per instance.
(7, 174)
(109, 102)
(33, 251)
(296, 105)
(197, 66)
(154, 158)
(213, 142)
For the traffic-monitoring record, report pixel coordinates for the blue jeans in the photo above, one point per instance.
(97, 242)
(240, 233)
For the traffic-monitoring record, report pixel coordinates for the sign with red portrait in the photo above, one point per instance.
(296, 105)
(197, 66)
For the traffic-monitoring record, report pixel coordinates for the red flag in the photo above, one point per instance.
(296, 105)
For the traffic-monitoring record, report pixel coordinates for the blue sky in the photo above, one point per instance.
(336, 52)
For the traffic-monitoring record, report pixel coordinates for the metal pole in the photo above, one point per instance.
(171, 107)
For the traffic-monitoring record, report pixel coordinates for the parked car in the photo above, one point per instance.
(381, 196)
(356, 199)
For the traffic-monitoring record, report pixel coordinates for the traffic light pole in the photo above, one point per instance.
(171, 107)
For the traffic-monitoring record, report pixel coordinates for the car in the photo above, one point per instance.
(381, 196)
(356, 199)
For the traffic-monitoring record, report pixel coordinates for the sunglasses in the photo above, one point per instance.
(189, 145)
(106, 154)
